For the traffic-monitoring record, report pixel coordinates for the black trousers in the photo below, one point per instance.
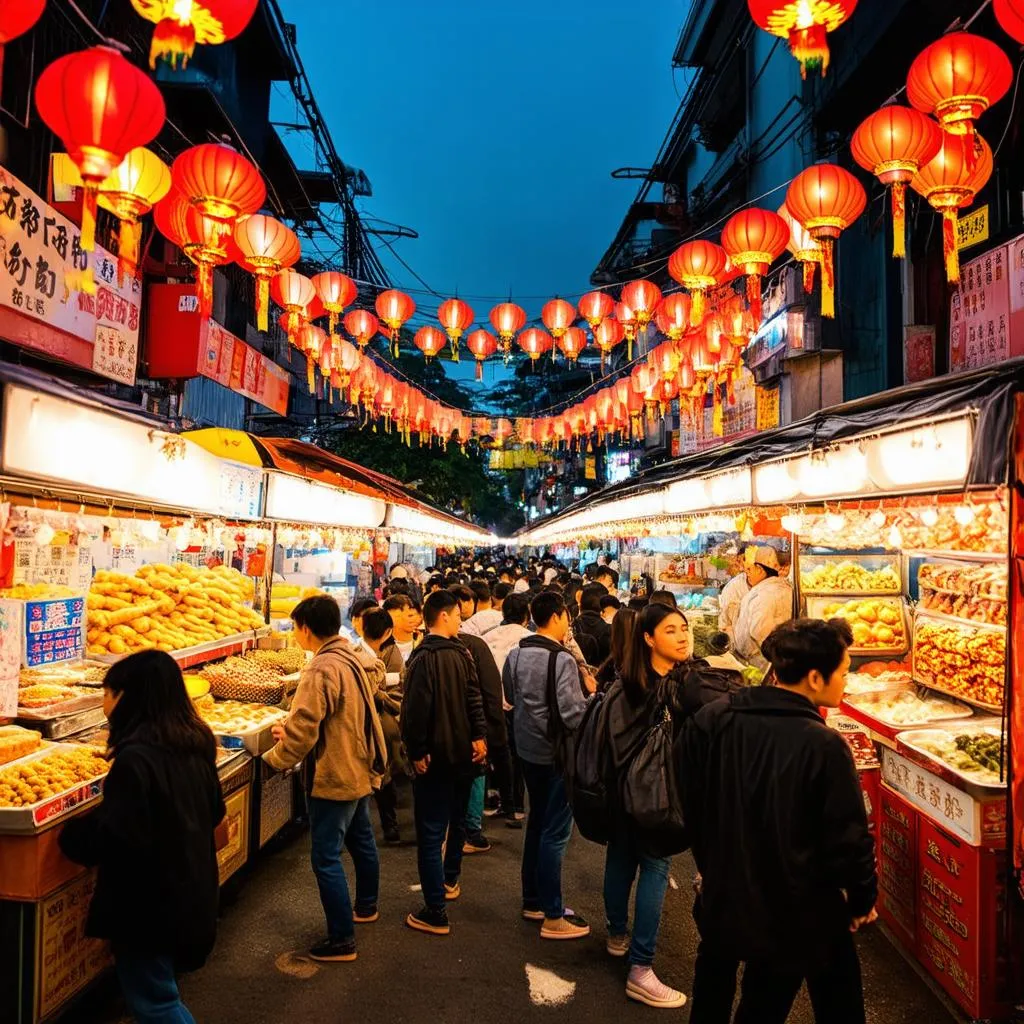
(509, 775)
(768, 994)
(386, 799)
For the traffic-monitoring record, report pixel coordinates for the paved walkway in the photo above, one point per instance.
(493, 968)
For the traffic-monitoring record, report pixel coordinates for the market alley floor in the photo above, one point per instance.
(493, 968)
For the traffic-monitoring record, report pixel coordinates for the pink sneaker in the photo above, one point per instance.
(643, 986)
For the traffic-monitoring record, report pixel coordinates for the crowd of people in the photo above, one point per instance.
(533, 692)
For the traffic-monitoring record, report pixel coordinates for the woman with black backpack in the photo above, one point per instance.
(640, 706)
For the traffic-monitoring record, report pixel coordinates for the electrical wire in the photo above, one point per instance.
(116, 43)
(1013, 108)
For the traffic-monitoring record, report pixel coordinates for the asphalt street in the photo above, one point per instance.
(492, 969)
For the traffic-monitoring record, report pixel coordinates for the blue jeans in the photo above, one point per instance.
(333, 824)
(440, 811)
(475, 807)
(622, 861)
(150, 989)
(548, 828)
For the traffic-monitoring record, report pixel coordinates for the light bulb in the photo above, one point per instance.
(877, 519)
(44, 534)
(834, 522)
(895, 539)
(792, 523)
(929, 516)
(180, 536)
(964, 514)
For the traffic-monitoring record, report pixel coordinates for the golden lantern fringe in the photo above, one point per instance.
(697, 307)
(455, 349)
(263, 303)
(204, 289)
(310, 374)
(332, 320)
(479, 370)
(293, 323)
(718, 416)
(899, 220)
(809, 266)
(949, 221)
(128, 249)
(629, 349)
(394, 342)
(828, 282)
(754, 297)
(172, 40)
(88, 238)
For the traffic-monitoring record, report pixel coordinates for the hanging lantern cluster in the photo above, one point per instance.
(265, 247)
(753, 239)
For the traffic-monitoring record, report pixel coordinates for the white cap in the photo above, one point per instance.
(399, 572)
(765, 556)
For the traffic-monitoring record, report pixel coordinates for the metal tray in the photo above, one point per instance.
(816, 610)
(38, 816)
(808, 563)
(256, 741)
(84, 702)
(214, 648)
(866, 704)
(912, 737)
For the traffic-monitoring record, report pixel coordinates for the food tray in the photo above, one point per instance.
(256, 740)
(847, 575)
(973, 660)
(38, 816)
(913, 738)
(194, 655)
(83, 702)
(939, 710)
(816, 609)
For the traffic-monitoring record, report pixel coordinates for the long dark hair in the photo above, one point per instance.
(155, 707)
(622, 635)
(636, 664)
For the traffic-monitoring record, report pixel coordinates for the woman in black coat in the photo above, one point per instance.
(153, 837)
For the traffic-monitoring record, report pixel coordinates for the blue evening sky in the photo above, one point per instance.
(492, 128)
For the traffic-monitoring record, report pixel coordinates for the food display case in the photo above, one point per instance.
(879, 624)
(863, 575)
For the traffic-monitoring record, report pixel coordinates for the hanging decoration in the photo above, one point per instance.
(16, 18)
(293, 292)
(595, 307)
(754, 239)
(394, 308)
(361, 325)
(572, 343)
(508, 320)
(310, 340)
(672, 317)
(219, 182)
(558, 316)
(101, 107)
(1010, 15)
(642, 297)
(180, 24)
(893, 144)
(805, 23)
(456, 318)
(483, 345)
(804, 248)
(335, 291)
(826, 199)
(698, 266)
(608, 333)
(429, 340)
(265, 247)
(950, 181)
(535, 342)
(627, 319)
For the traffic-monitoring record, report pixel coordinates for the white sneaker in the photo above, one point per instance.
(643, 986)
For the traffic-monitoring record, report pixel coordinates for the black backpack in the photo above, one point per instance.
(561, 738)
(588, 791)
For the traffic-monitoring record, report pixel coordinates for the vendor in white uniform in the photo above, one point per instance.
(768, 604)
(732, 596)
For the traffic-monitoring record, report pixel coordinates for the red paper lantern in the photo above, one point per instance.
(219, 182)
(608, 333)
(508, 320)
(362, 325)
(101, 107)
(826, 199)
(805, 23)
(335, 291)
(16, 18)
(595, 307)
(265, 247)
(754, 239)
(394, 308)
(535, 342)
(429, 340)
(950, 181)
(957, 79)
(483, 345)
(558, 316)
(673, 315)
(804, 248)
(642, 297)
(1010, 15)
(310, 340)
(627, 318)
(893, 144)
(180, 24)
(572, 343)
(456, 318)
(698, 266)
(293, 292)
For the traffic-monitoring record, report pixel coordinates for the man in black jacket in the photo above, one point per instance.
(592, 633)
(780, 837)
(444, 730)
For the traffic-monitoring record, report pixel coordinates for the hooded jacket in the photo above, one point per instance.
(778, 828)
(766, 606)
(594, 636)
(490, 690)
(442, 710)
(502, 639)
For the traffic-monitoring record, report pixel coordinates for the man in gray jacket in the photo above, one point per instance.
(541, 680)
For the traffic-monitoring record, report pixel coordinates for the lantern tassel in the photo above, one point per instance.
(697, 308)
(899, 220)
(828, 298)
(394, 342)
(204, 289)
(88, 238)
(629, 350)
(754, 297)
(602, 361)
(479, 370)
(332, 320)
(949, 220)
(128, 249)
(263, 303)
(455, 349)
(310, 374)
(809, 266)
(718, 415)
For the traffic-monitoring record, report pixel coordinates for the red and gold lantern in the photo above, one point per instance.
(698, 266)
(361, 325)
(535, 342)
(394, 308)
(572, 343)
(429, 340)
(180, 24)
(335, 291)
(673, 316)
(558, 316)
(483, 345)
(754, 239)
(219, 182)
(804, 248)
(608, 333)
(627, 319)
(508, 320)
(16, 18)
(595, 307)
(1010, 15)
(805, 23)
(642, 297)
(293, 292)
(265, 248)
(456, 318)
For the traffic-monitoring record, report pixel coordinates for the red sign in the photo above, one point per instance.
(918, 353)
(897, 866)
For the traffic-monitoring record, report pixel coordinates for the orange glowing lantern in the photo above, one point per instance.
(698, 266)
(180, 24)
(805, 249)
(673, 315)
(362, 325)
(608, 333)
(754, 239)
(310, 340)
(335, 291)
(558, 316)
(535, 342)
(595, 307)
(642, 297)
(394, 308)
(293, 292)
(572, 343)
(826, 199)
(950, 181)
(957, 79)
(805, 23)
(483, 345)
(1010, 15)
(894, 143)
(347, 359)
(456, 318)
(101, 107)
(508, 320)
(429, 340)
(265, 248)
(219, 182)
(627, 319)
(16, 18)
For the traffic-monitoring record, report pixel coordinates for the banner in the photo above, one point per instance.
(230, 362)
(979, 316)
(43, 264)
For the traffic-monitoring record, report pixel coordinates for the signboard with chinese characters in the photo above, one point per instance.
(11, 633)
(65, 565)
(766, 407)
(918, 352)
(979, 316)
(241, 490)
(972, 228)
(54, 631)
(42, 266)
(951, 807)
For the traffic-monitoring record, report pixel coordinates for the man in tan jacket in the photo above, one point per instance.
(333, 716)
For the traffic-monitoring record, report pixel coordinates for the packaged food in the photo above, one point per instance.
(877, 622)
(868, 575)
(974, 592)
(963, 661)
(16, 742)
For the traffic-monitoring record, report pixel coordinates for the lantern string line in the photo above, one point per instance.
(115, 43)
(1013, 108)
